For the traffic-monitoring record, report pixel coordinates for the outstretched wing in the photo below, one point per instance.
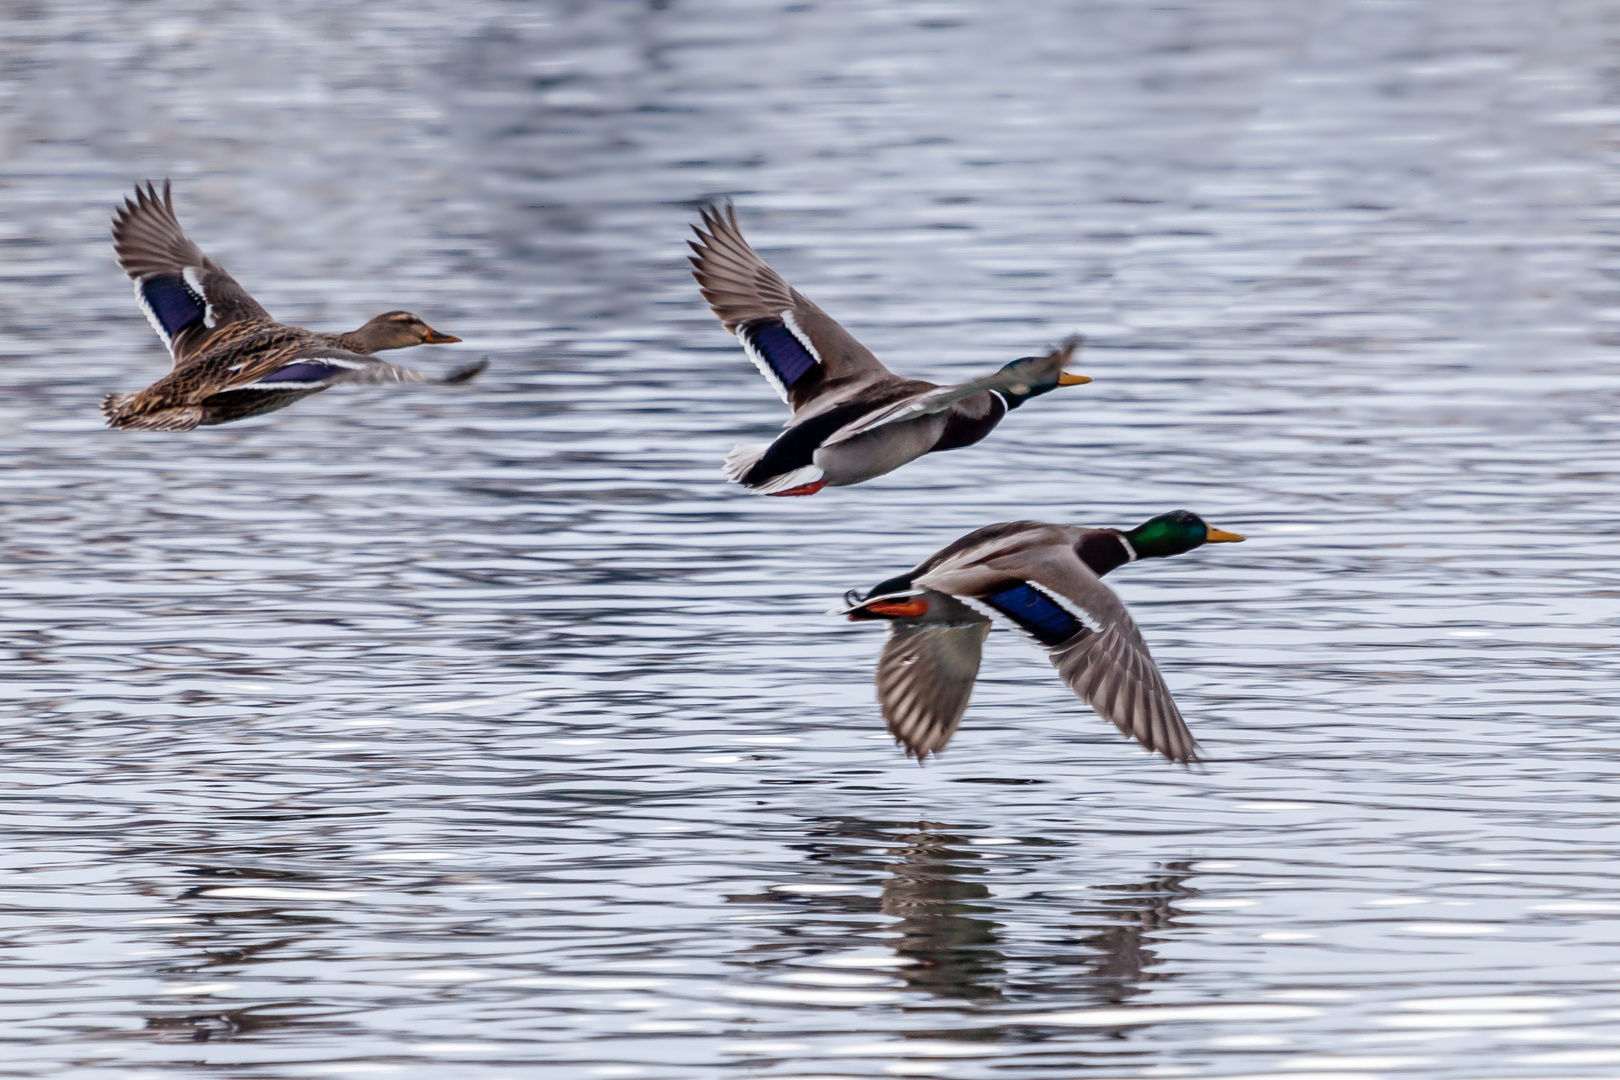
(319, 367)
(186, 295)
(1047, 592)
(300, 379)
(802, 352)
(381, 371)
(925, 678)
(942, 398)
(1114, 673)
(920, 403)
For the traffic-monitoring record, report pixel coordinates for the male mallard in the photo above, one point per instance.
(231, 360)
(1047, 581)
(853, 418)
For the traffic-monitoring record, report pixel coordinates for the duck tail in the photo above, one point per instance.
(743, 456)
(120, 413)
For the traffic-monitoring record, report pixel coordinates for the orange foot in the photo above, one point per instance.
(803, 489)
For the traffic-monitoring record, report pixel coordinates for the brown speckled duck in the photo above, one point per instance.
(1045, 580)
(853, 419)
(231, 359)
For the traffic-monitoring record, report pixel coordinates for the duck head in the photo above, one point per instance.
(397, 330)
(1175, 533)
(1032, 376)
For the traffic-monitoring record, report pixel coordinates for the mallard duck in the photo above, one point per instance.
(853, 419)
(231, 359)
(1047, 581)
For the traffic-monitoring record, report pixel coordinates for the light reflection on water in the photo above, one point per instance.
(483, 730)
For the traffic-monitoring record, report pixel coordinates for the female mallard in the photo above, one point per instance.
(231, 360)
(1047, 581)
(853, 418)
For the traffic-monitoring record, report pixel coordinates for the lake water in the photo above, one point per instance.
(484, 732)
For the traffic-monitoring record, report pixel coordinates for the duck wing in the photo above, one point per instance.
(377, 371)
(1036, 580)
(256, 374)
(925, 678)
(304, 377)
(187, 296)
(801, 350)
(320, 366)
(940, 398)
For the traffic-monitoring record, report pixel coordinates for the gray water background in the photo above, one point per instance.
(484, 732)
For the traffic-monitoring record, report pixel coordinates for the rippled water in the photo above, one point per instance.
(483, 732)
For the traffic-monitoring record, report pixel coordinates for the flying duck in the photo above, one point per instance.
(231, 359)
(853, 418)
(1046, 580)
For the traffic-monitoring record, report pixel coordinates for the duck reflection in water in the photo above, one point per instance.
(947, 931)
(225, 937)
(951, 943)
(1118, 958)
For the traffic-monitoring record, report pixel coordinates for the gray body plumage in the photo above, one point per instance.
(880, 451)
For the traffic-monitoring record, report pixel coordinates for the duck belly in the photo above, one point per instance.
(881, 450)
(229, 405)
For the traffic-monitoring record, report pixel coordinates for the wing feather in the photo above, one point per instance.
(925, 678)
(187, 296)
(324, 366)
(749, 298)
(940, 398)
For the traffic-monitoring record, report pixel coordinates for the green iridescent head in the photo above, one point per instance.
(1032, 376)
(1175, 533)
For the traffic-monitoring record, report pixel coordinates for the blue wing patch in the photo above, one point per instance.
(304, 371)
(776, 345)
(1037, 614)
(172, 303)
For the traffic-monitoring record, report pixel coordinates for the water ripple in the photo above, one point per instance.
(479, 732)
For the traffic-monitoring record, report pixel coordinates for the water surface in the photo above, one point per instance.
(483, 732)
